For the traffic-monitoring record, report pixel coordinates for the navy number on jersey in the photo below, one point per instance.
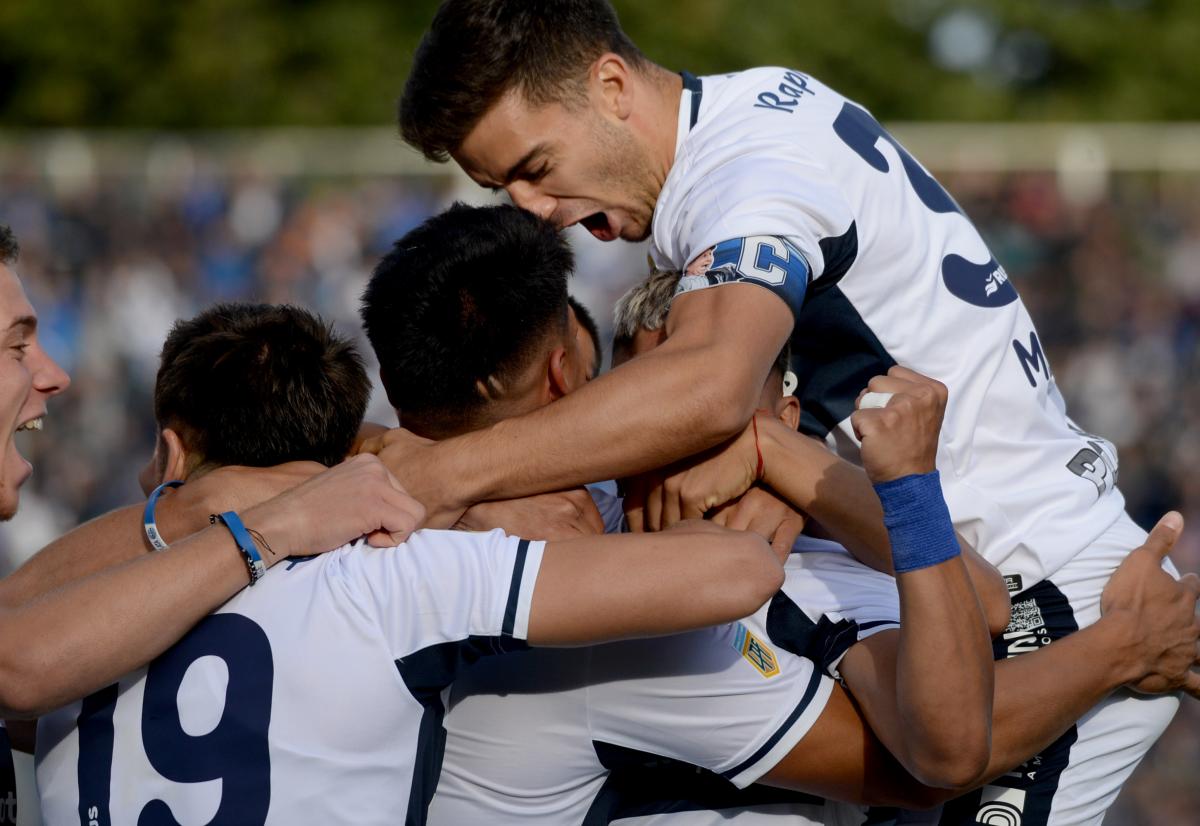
(984, 285)
(235, 751)
(766, 260)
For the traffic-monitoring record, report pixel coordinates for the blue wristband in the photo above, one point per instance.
(917, 521)
(148, 524)
(245, 543)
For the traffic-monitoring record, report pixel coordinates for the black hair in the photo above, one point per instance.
(259, 385)
(464, 302)
(476, 50)
(9, 248)
(588, 323)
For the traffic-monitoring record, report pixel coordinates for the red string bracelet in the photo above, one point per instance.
(758, 472)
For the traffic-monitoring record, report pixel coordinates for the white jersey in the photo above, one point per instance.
(313, 697)
(668, 729)
(780, 181)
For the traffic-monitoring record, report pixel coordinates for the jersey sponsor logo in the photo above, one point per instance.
(1032, 360)
(984, 285)
(786, 96)
(755, 651)
(1000, 806)
(1097, 462)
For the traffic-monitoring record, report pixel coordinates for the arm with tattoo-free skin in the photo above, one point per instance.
(73, 640)
(697, 389)
(815, 481)
(118, 536)
(1146, 639)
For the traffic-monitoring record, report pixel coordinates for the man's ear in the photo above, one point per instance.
(558, 379)
(787, 409)
(176, 464)
(612, 77)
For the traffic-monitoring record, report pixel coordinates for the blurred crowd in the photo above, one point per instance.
(1113, 283)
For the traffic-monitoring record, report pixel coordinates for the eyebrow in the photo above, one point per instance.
(29, 322)
(516, 169)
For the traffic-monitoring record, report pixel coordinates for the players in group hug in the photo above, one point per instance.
(355, 685)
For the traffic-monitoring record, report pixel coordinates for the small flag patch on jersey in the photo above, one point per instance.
(756, 652)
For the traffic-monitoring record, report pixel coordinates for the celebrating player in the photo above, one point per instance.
(485, 333)
(315, 696)
(78, 638)
(794, 214)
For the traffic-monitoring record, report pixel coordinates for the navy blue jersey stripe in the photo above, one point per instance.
(642, 783)
(865, 626)
(693, 85)
(94, 771)
(514, 590)
(426, 673)
(813, 683)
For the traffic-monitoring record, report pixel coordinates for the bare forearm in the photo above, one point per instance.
(839, 496)
(1041, 694)
(943, 661)
(831, 490)
(613, 587)
(653, 410)
(78, 638)
(98, 544)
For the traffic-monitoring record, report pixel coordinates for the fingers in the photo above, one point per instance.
(786, 535)
(672, 503)
(654, 508)
(1164, 535)
(382, 539)
(1191, 684)
(1191, 584)
(588, 512)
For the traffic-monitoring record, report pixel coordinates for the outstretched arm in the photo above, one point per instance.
(118, 536)
(687, 395)
(612, 587)
(80, 637)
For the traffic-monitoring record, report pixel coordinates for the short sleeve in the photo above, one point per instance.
(725, 698)
(832, 602)
(446, 586)
(761, 191)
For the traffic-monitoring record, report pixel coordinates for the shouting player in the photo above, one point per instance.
(794, 215)
(73, 639)
(485, 333)
(315, 696)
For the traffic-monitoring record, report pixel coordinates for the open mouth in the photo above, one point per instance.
(599, 226)
(32, 424)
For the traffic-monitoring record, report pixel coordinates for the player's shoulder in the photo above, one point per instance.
(765, 101)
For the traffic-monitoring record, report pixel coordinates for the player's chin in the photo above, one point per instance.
(630, 228)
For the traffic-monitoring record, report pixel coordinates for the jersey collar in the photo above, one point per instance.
(689, 106)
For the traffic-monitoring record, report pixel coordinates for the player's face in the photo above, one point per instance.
(570, 166)
(28, 376)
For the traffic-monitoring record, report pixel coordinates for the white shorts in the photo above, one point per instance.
(1075, 779)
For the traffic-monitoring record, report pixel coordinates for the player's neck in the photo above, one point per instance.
(665, 93)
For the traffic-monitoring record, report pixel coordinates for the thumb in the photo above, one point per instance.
(1165, 534)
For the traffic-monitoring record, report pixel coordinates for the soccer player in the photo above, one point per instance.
(487, 333)
(315, 696)
(79, 637)
(795, 215)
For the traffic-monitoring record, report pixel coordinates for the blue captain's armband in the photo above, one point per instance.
(766, 260)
